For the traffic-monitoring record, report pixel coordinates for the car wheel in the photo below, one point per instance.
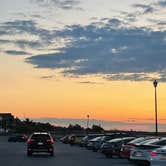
(94, 150)
(51, 153)
(120, 156)
(29, 153)
(108, 155)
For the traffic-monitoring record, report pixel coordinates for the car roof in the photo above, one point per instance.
(115, 140)
(120, 139)
(96, 138)
(140, 140)
(152, 141)
(163, 147)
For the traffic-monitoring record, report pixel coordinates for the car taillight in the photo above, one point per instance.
(30, 140)
(50, 141)
(153, 154)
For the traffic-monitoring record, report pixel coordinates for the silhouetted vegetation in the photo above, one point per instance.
(28, 126)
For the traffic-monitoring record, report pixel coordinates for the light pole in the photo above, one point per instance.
(156, 123)
(87, 121)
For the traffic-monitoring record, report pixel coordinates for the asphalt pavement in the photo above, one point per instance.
(14, 154)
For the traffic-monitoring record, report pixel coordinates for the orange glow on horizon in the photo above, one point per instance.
(25, 94)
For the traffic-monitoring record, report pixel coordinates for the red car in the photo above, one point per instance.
(126, 148)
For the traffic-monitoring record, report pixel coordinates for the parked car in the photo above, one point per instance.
(158, 157)
(78, 140)
(87, 138)
(65, 139)
(40, 142)
(113, 146)
(141, 153)
(108, 137)
(126, 148)
(75, 139)
(94, 143)
(18, 138)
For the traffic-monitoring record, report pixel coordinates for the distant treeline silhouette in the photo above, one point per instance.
(28, 126)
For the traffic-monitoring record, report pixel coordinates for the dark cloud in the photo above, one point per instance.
(129, 76)
(110, 50)
(26, 27)
(24, 43)
(152, 7)
(146, 8)
(162, 3)
(14, 52)
(3, 41)
(47, 77)
(90, 82)
(63, 4)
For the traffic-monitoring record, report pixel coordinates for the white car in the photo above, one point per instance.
(158, 157)
(141, 153)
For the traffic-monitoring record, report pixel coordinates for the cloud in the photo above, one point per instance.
(90, 82)
(24, 43)
(14, 52)
(47, 77)
(162, 3)
(146, 8)
(25, 34)
(62, 4)
(30, 27)
(114, 50)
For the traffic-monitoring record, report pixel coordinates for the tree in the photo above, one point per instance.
(97, 128)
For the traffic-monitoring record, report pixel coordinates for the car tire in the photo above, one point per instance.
(51, 154)
(120, 156)
(94, 150)
(29, 153)
(108, 155)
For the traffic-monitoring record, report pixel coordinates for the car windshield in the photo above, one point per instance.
(146, 141)
(96, 139)
(115, 140)
(137, 140)
(149, 142)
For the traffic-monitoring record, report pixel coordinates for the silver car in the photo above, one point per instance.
(158, 157)
(141, 153)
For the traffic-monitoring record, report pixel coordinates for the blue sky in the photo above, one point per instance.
(120, 40)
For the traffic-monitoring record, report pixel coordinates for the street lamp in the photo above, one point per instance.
(155, 87)
(87, 121)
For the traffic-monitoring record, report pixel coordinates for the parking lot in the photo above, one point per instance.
(65, 155)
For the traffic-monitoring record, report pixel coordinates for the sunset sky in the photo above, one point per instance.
(66, 59)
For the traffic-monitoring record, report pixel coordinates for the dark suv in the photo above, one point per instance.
(40, 142)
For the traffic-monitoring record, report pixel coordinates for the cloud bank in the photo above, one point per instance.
(113, 50)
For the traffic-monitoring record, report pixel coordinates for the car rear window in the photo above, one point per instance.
(40, 136)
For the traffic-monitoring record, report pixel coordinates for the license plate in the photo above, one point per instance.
(40, 143)
(163, 157)
(138, 154)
